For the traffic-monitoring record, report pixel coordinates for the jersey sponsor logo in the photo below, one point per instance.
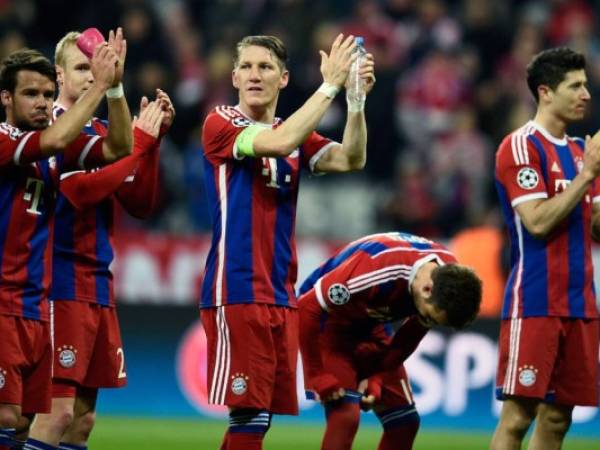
(239, 383)
(33, 193)
(555, 167)
(338, 294)
(67, 356)
(527, 375)
(241, 122)
(528, 178)
(2, 378)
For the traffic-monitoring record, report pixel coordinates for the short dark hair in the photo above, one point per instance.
(272, 43)
(24, 59)
(456, 290)
(550, 67)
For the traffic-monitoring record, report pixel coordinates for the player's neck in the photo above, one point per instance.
(64, 101)
(551, 123)
(260, 114)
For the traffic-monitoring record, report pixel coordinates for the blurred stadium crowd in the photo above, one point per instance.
(450, 85)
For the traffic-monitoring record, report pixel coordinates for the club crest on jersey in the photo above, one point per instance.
(2, 378)
(239, 383)
(527, 375)
(67, 356)
(241, 122)
(527, 178)
(338, 294)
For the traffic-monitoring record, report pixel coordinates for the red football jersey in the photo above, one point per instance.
(551, 276)
(28, 184)
(369, 280)
(253, 209)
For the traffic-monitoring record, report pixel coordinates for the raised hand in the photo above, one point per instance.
(151, 117)
(591, 156)
(367, 72)
(167, 107)
(119, 44)
(336, 66)
(104, 61)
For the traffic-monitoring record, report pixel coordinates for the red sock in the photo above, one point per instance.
(4, 447)
(399, 437)
(342, 424)
(244, 441)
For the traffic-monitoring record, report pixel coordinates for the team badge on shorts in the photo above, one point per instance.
(338, 294)
(527, 178)
(239, 383)
(2, 377)
(67, 356)
(527, 375)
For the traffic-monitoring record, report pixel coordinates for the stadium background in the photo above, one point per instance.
(449, 86)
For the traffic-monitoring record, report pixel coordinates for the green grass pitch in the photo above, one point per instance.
(114, 433)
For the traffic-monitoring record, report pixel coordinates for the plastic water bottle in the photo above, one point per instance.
(355, 92)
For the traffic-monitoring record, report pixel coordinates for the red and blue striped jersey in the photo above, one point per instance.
(83, 249)
(368, 281)
(552, 276)
(252, 201)
(28, 183)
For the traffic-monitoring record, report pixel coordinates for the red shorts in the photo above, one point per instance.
(252, 356)
(25, 364)
(550, 358)
(348, 359)
(87, 344)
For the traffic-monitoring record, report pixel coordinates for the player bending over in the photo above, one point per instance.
(346, 307)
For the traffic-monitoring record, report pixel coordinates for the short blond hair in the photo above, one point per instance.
(68, 39)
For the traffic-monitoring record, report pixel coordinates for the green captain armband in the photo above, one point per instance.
(245, 140)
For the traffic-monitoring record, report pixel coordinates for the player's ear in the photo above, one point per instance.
(544, 92)
(285, 79)
(234, 79)
(427, 289)
(6, 98)
(60, 75)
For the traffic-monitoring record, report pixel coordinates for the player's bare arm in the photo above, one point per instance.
(68, 126)
(351, 154)
(287, 137)
(119, 140)
(540, 217)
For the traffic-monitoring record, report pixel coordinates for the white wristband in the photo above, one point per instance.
(329, 90)
(115, 92)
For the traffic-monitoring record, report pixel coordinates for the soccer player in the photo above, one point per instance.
(252, 163)
(28, 178)
(346, 307)
(546, 180)
(88, 353)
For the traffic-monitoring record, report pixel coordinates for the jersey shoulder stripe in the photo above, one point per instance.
(518, 144)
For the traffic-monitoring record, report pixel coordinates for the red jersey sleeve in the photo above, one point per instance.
(313, 148)
(518, 169)
(19, 148)
(333, 290)
(221, 128)
(85, 152)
